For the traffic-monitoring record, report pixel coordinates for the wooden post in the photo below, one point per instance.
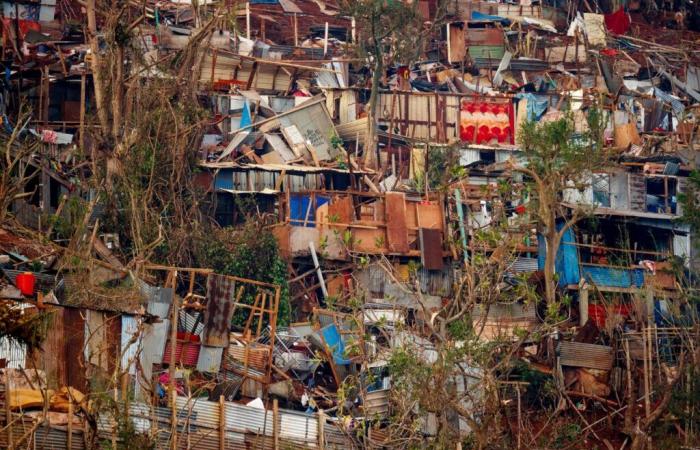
(172, 391)
(353, 33)
(82, 109)
(70, 423)
(247, 20)
(449, 47)
(8, 411)
(115, 424)
(325, 40)
(173, 421)
(47, 97)
(222, 423)
(296, 31)
(583, 305)
(520, 420)
(321, 430)
(41, 96)
(275, 423)
(628, 365)
(647, 383)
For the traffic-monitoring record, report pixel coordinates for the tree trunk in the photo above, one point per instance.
(117, 92)
(97, 75)
(552, 249)
(370, 156)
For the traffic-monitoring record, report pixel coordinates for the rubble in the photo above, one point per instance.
(430, 280)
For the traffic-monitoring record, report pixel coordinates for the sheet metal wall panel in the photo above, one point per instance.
(14, 353)
(53, 438)
(613, 276)
(209, 359)
(524, 265)
(129, 350)
(579, 354)
(198, 427)
(422, 109)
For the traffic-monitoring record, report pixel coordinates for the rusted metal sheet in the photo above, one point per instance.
(431, 249)
(590, 356)
(396, 228)
(485, 36)
(217, 315)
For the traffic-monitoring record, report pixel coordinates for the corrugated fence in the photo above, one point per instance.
(198, 427)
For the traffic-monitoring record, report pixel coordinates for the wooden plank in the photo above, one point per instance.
(397, 231)
(457, 42)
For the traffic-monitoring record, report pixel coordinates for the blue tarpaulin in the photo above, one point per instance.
(332, 338)
(246, 119)
(566, 266)
(536, 105)
(224, 179)
(477, 16)
(299, 206)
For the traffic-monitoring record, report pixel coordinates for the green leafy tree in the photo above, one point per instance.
(558, 158)
(250, 251)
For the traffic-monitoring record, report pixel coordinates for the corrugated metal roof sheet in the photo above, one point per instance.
(508, 311)
(591, 356)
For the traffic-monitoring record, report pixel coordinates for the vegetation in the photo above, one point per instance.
(250, 251)
(559, 159)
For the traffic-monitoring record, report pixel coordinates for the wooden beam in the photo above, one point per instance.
(253, 72)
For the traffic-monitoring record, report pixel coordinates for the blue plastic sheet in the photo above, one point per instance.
(477, 16)
(567, 263)
(536, 105)
(334, 341)
(299, 206)
(246, 118)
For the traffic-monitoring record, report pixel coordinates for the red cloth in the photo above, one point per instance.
(618, 22)
(609, 52)
(24, 26)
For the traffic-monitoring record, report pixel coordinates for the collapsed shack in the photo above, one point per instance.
(439, 293)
